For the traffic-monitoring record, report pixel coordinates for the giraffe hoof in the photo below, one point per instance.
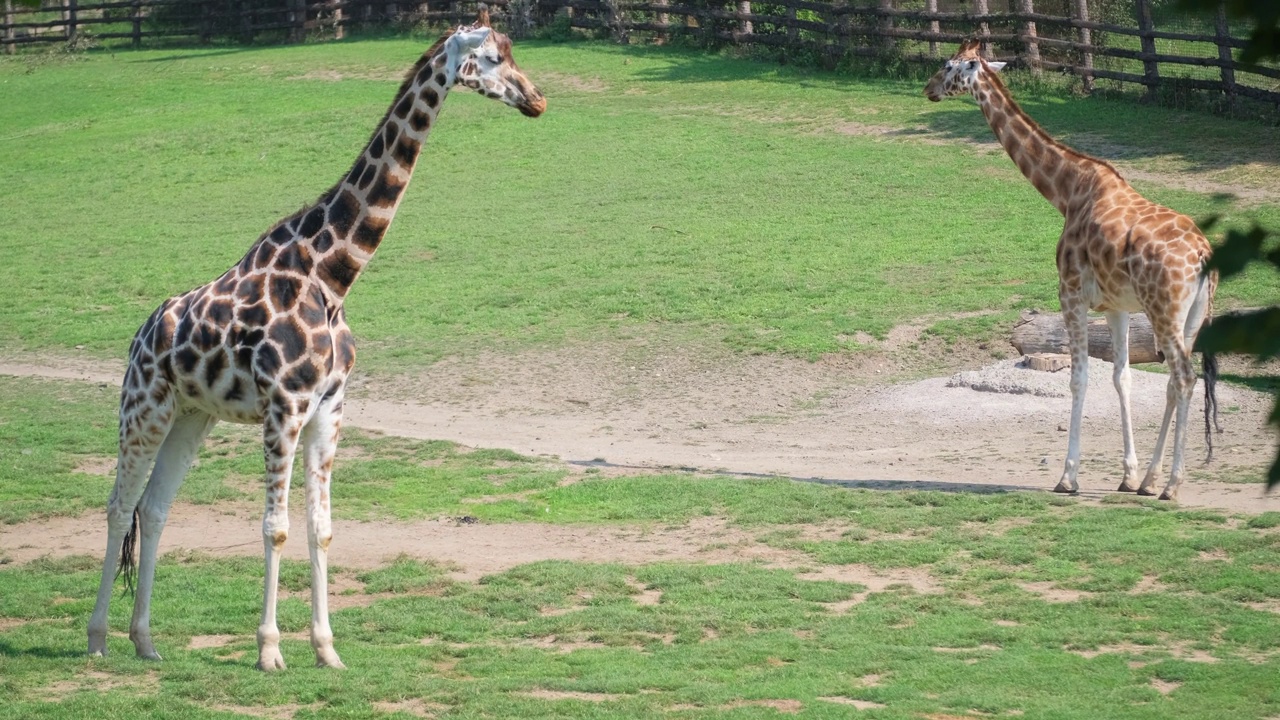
(1066, 489)
(1146, 492)
(1125, 487)
(270, 661)
(1171, 497)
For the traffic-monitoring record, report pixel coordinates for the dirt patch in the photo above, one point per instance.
(202, 642)
(1054, 594)
(1149, 584)
(875, 580)
(643, 595)
(97, 681)
(473, 550)
(96, 465)
(275, 712)
(652, 403)
(1164, 687)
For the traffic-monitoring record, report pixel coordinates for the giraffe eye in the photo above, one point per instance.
(973, 64)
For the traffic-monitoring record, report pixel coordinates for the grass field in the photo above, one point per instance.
(766, 209)
(773, 209)
(1002, 605)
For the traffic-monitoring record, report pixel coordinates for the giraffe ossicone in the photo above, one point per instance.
(1118, 253)
(268, 343)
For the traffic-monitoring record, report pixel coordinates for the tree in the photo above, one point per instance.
(1255, 333)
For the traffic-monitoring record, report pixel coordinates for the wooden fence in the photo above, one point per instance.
(1141, 44)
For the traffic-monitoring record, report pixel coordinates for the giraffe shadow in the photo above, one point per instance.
(10, 650)
(872, 484)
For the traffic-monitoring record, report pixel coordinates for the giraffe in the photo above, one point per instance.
(268, 343)
(1118, 253)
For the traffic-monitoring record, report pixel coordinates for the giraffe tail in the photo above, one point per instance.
(1210, 364)
(129, 556)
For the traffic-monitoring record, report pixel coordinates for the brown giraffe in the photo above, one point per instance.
(267, 343)
(1118, 253)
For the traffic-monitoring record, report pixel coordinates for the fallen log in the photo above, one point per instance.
(1037, 332)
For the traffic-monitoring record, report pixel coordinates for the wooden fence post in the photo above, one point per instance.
(246, 23)
(934, 26)
(9, 46)
(206, 23)
(1086, 38)
(1224, 54)
(339, 28)
(136, 17)
(981, 7)
(793, 32)
(1150, 69)
(71, 21)
(887, 42)
(1032, 52)
(744, 25)
(663, 20)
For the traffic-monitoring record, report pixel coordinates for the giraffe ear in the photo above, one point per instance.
(996, 66)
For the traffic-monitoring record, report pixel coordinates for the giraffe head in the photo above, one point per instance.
(960, 74)
(479, 57)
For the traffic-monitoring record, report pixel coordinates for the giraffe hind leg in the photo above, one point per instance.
(171, 466)
(144, 424)
(1076, 316)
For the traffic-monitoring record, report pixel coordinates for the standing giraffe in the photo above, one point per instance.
(1118, 253)
(267, 343)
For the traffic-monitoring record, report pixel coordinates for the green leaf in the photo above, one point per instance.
(1255, 333)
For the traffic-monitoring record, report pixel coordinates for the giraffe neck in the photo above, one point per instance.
(1058, 172)
(343, 230)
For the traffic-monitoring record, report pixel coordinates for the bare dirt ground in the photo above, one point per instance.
(642, 404)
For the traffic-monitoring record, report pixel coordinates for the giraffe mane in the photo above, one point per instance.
(405, 84)
(998, 85)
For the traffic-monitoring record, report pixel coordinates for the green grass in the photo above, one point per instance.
(662, 188)
(1162, 596)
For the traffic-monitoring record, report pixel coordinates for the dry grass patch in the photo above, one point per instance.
(100, 682)
(786, 707)
(1164, 687)
(1050, 592)
(412, 706)
(571, 695)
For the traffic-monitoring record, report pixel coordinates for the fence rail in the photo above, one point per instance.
(1155, 52)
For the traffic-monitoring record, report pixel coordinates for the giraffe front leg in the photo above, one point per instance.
(1076, 317)
(320, 442)
(1121, 377)
(280, 442)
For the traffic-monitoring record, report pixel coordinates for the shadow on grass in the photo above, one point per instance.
(8, 649)
(898, 485)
